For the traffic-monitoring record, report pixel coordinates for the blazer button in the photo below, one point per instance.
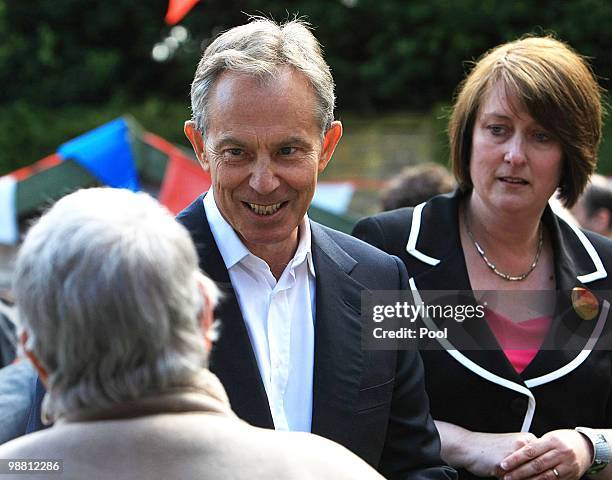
(519, 405)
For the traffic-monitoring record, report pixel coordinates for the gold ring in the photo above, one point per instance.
(555, 472)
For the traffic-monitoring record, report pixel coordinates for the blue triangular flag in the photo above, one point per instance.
(105, 152)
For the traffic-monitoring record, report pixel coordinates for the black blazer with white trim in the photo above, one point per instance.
(480, 390)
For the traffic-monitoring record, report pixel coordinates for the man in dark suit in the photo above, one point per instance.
(289, 351)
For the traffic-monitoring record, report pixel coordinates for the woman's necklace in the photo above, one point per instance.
(505, 276)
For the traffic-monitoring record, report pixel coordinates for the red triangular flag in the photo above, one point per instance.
(47, 162)
(183, 182)
(177, 9)
(184, 178)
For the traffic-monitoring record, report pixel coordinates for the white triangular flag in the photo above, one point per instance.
(9, 229)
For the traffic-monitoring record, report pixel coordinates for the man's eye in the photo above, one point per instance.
(287, 150)
(234, 151)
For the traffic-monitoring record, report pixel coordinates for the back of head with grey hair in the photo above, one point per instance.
(107, 288)
(259, 48)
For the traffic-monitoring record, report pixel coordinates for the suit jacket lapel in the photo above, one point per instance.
(338, 359)
(568, 333)
(232, 358)
(571, 260)
(451, 274)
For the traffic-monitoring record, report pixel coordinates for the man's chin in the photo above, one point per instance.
(269, 239)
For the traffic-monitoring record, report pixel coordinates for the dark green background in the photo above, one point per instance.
(67, 66)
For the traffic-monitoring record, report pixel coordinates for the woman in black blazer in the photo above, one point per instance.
(527, 120)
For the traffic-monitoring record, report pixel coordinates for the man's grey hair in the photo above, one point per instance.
(109, 292)
(260, 48)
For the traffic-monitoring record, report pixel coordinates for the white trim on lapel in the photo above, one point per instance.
(600, 271)
(414, 236)
(475, 368)
(581, 357)
(415, 230)
(532, 382)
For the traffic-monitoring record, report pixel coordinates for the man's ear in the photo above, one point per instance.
(331, 139)
(42, 372)
(197, 142)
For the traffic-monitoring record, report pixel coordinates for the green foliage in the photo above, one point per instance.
(387, 54)
(69, 65)
(604, 165)
(28, 132)
(70, 51)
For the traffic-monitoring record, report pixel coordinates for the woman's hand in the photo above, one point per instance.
(479, 453)
(489, 449)
(557, 455)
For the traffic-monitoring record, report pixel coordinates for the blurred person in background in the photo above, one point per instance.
(416, 184)
(593, 210)
(527, 120)
(17, 395)
(8, 338)
(17, 376)
(113, 310)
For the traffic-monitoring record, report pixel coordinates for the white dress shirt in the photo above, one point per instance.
(279, 317)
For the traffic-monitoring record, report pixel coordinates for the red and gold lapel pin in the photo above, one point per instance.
(585, 303)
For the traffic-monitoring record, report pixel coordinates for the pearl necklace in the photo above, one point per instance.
(505, 276)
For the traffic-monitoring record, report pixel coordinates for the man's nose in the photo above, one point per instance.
(516, 153)
(263, 176)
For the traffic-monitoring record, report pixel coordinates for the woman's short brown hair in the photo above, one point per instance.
(558, 89)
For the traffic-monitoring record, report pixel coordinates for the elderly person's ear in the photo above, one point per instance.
(42, 372)
(207, 324)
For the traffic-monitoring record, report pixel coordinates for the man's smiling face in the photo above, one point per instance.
(264, 151)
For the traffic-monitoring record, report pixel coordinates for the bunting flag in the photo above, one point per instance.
(183, 180)
(106, 153)
(334, 197)
(9, 229)
(177, 9)
(41, 165)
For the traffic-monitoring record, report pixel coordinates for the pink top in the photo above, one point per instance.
(520, 341)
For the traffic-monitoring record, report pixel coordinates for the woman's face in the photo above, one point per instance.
(515, 164)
